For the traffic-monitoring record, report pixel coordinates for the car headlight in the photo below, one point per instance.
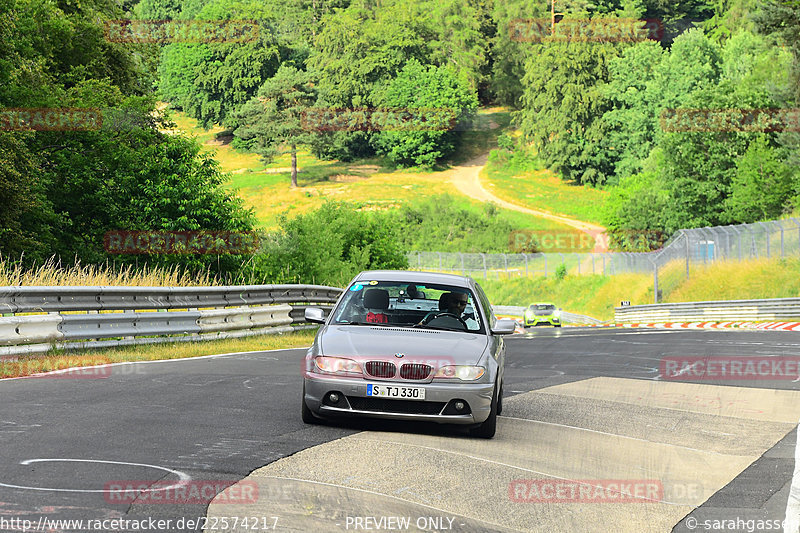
(464, 373)
(337, 365)
(557, 314)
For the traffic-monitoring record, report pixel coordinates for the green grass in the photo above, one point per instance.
(370, 183)
(597, 295)
(538, 188)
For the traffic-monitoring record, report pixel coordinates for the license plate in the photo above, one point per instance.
(395, 393)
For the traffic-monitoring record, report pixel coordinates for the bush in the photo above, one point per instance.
(327, 246)
(561, 272)
(440, 225)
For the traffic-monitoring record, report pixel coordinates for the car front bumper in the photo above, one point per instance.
(542, 320)
(437, 406)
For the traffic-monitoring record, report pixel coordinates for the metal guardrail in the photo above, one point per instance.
(58, 299)
(99, 317)
(567, 318)
(787, 309)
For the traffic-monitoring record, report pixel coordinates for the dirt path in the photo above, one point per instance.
(466, 179)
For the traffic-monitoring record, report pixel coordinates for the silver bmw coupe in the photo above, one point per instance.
(405, 345)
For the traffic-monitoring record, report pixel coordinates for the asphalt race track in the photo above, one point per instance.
(585, 410)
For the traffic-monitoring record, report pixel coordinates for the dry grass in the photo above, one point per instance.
(52, 273)
(28, 365)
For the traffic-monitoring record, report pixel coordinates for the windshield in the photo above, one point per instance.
(543, 307)
(395, 303)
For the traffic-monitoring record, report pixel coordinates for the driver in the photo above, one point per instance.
(453, 303)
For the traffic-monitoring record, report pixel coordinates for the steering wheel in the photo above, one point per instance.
(451, 315)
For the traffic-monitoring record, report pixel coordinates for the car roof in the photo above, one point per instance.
(413, 276)
(543, 303)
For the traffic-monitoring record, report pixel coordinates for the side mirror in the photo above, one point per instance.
(504, 326)
(315, 314)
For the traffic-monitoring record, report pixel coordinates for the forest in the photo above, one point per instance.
(624, 112)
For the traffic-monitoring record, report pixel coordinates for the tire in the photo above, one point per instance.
(500, 402)
(557, 325)
(488, 428)
(305, 412)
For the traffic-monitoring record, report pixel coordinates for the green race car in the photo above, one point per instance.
(542, 313)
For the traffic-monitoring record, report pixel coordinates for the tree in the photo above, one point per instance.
(637, 99)
(210, 80)
(329, 246)
(434, 99)
(762, 185)
(274, 118)
(563, 102)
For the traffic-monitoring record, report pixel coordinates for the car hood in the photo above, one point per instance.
(380, 342)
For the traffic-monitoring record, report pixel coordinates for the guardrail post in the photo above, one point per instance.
(545, 264)
(440, 261)
(505, 262)
(526, 264)
(485, 274)
(462, 263)
(766, 236)
(593, 270)
(604, 264)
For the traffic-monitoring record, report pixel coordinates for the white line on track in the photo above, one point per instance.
(612, 434)
(183, 478)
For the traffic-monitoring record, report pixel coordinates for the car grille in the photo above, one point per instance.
(410, 407)
(380, 369)
(543, 313)
(415, 371)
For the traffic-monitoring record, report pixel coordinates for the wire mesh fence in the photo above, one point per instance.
(777, 238)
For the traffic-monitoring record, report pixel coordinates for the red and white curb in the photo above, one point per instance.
(773, 326)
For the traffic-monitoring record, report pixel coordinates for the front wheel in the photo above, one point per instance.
(306, 414)
(489, 427)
